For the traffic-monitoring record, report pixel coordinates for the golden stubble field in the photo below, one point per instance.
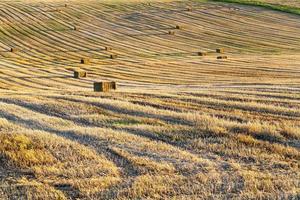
(180, 125)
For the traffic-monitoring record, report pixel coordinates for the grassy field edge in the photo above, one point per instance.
(283, 8)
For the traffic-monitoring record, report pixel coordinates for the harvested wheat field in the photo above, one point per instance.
(206, 103)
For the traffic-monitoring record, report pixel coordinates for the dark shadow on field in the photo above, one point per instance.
(86, 140)
(117, 110)
(113, 110)
(151, 136)
(154, 105)
(101, 146)
(41, 110)
(73, 135)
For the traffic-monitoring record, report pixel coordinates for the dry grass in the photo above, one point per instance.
(180, 125)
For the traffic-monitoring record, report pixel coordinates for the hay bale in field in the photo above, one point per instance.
(85, 61)
(108, 48)
(222, 57)
(189, 9)
(80, 74)
(113, 56)
(104, 86)
(220, 50)
(202, 53)
(13, 50)
(75, 28)
(171, 32)
(66, 5)
(178, 27)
